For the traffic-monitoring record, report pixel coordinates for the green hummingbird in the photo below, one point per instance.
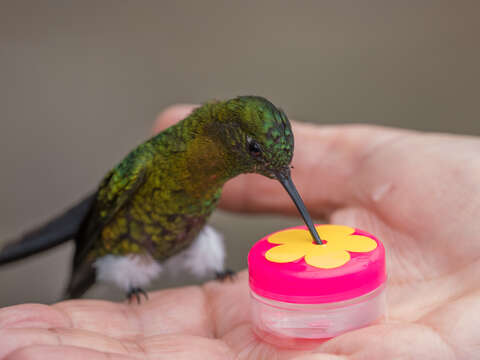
(150, 211)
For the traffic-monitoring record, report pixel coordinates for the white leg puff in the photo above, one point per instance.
(127, 272)
(205, 256)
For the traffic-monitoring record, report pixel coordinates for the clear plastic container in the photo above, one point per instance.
(297, 305)
(303, 325)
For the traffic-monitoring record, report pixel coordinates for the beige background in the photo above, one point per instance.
(81, 83)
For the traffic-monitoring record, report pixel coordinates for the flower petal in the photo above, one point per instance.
(285, 253)
(334, 231)
(293, 236)
(326, 258)
(358, 243)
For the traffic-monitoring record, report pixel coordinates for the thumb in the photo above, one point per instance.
(329, 171)
(171, 115)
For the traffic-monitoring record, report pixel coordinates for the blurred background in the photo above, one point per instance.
(82, 82)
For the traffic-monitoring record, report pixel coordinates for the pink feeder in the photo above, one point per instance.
(303, 293)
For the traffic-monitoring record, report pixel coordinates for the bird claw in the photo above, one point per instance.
(226, 274)
(135, 293)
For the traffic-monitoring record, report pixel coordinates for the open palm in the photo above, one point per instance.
(419, 193)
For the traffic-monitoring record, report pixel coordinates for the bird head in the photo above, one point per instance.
(258, 138)
(256, 134)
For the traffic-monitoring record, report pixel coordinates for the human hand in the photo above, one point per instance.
(419, 193)
(416, 192)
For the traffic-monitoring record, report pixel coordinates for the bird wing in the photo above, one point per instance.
(114, 192)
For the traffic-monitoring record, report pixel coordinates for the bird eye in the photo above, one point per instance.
(254, 148)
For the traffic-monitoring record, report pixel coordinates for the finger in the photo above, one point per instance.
(32, 316)
(181, 311)
(17, 338)
(329, 168)
(171, 116)
(50, 352)
(169, 311)
(95, 345)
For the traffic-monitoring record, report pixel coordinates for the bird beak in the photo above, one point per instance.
(286, 180)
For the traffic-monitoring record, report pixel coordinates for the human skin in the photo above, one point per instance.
(419, 193)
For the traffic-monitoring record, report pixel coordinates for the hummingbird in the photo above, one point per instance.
(150, 211)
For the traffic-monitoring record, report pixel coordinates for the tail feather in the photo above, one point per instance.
(57, 231)
(81, 280)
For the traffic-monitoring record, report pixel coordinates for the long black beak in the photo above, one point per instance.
(286, 180)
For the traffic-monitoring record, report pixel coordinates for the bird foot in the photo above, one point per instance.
(135, 293)
(226, 274)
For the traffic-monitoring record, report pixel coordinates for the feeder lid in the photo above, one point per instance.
(289, 266)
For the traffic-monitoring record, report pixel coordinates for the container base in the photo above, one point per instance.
(288, 342)
(296, 343)
(305, 326)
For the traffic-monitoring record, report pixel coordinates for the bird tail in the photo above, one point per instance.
(59, 230)
(81, 280)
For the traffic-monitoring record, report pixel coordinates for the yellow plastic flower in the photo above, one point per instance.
(298, 243)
